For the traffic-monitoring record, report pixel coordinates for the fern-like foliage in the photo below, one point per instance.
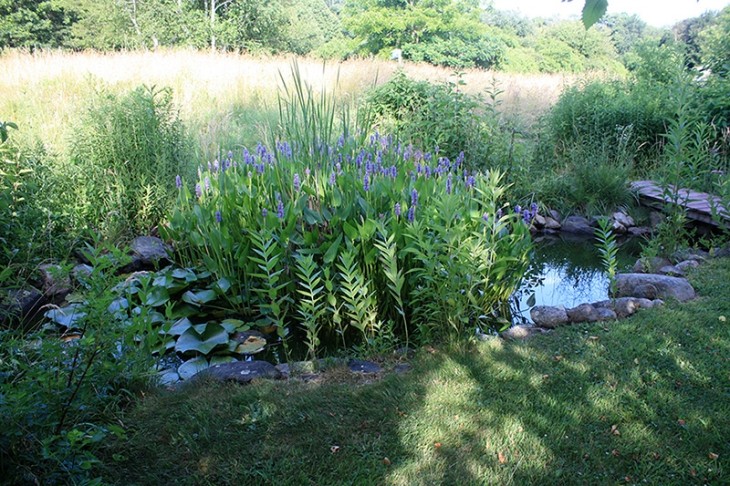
(311, 303)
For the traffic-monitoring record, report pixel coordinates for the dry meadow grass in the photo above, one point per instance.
(223, 96)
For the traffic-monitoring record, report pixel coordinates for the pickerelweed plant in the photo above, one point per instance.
(372, 236)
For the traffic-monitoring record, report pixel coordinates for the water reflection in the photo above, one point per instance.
(567, 271)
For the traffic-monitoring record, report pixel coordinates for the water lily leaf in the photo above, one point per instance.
(200, 297)
(180, 327)
(162, 280)
(222, 285)
(66, 316)
(156, 317)
(192, 366)
(191, 340)
(157, 296)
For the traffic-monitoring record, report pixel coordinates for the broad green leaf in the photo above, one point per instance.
(157, 296)
(200, 297)
(192, 366)
(66, 316)
(191, 340)
(222, 285)
(180, 327)
(331, 253)
(593, 10)
(233, 325)
(217, 359)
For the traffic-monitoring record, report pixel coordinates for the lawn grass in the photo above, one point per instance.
(641, 401)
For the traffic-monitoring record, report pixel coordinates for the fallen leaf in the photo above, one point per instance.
(655, 456)
(681, 422)
(713, 456)
(557, 358)
(615, 453)
(614, 430)
(693, 472)
(501, 458)
(386, 461)
(593, 338)
(437, 445)
(627, 479)
(334, 449)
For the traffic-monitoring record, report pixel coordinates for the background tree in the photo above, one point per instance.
(34, 23)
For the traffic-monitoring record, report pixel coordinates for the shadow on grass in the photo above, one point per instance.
(640, 401)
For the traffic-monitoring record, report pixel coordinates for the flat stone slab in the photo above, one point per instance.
(362, 366)
(240, 371)
(549, 317)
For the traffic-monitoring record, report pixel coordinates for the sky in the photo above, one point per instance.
(658, 13)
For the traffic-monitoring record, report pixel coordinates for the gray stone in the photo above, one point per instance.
(520, 332)
(618, 228)
(24, 306)
(657, 303)
(362, 366)
(655, 219)
(577, 225)
(401, 368)
(552, 223)
(721, 252)
(671, 270)
(555, 215)
(639, 231)
(538, 221)
(56, 281)
(644, 303)
(640, 284)
(687, 264)
(149, 252)
(623, 219)
(82, 272)
(240, 371)
(548, 317)
(625, 306)
(582, 313)
(605, 314)
(650, 265)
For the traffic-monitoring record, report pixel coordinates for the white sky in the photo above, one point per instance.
(658, 13)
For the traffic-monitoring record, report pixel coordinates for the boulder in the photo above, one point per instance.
(539, 221)
(520, 332)
(623, 219)
(148, 252)
(82, 272)
(249, 342)
(605, 314)
(625, 306)
(552, 224)
(23, 306)
(240, 371)
(549, 317)
(582, 313)
(661, 286)
(656, 218)
(687, 264)
(363, 366)
(618, 228)
(577, 225)
(639, 231)
(56, 281)
(650, 265)
(671, 270)
(555, 216)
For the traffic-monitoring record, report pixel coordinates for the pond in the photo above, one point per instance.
(567, 271)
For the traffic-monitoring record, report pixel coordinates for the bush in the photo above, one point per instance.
(124, 153)
(442, 116)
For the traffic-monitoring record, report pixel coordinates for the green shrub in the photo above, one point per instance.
(124, 153)
(443, 116)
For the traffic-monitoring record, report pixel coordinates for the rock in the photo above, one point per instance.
(548, 317)
(582, 313)
(657, 303)
(56, 281)
(577, 225)
(362, 366)
(240, 371)
(639, 231)
(618, 228)
(148, 252)
(552, 224)
(556, 216)
(520, 332)
(82, 272)
(644, 303)
(539, 221)
(721, 252)
(605, 314)
(687, 264)
(664, 286)
(655, 219)
(23, 306)
(401, 368)
(671, 270)
(623, 219)
(625, 306)
(643, 265)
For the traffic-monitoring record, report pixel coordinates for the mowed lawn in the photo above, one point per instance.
(641, 401)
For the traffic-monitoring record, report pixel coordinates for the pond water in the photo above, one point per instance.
(567, 271)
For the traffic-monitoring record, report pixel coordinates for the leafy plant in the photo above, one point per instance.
(608, 250)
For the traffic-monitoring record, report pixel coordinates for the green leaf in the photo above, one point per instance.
(180, 327)
(593, 10)
(222, 285)
(157, 296)
(192, 340)
(192, 366)
(331, 253)
(200, 297)
(66, 316)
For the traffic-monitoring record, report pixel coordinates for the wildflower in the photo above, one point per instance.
(279, 207)
(460, 159)
(207, 184)
(533, 208)
(307, 172)
(414, 197)
(218, 216)
(397, 210)
(526, 216)
(366, 183)
(393, 171)
(485, 217)
(178, 181)
(216, 165)
(499, 213)
(411, 214)
(470, 182)
(264, 212)
(333, 179)
(518, 209)
(338, 168)
(198, 191)
(448, 184)
(297, 183)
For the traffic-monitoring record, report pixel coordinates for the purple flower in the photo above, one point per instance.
(366, 182)
(264, 212)
(178, 181)
(333, 179)
(218, 216)
(414, 197)
(307, 172)
(198, 191)
(470, 182)
(533, 208)
(216, 165)
(207, 184)
(526, 216)
(448, 184)
(297, 183)
(397, 210)
(460, 159)
(518, 209)
(485, 217)
(279, 207)
(411, 214)
(393, 171)
(499, 213)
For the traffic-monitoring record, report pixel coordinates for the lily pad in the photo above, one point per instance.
(192, 340)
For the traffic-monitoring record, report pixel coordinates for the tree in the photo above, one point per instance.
(33, 23)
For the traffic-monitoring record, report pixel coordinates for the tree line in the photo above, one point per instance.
(452, 33)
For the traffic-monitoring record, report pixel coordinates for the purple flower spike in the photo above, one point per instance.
(448, 184)
(533, 208)
(397, 210)
(333, 179)
(499, 213)
(178, 181)
(485, 217)
(207, 184)
(366, 183)
(470, 182)
(297, 183)
(526, 216)
(218, 216)
(216, 165)
(518, 209)
(264, 212)
(198, 191)
(414, 197)
(411, 214)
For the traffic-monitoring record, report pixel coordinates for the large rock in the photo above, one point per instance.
(520, 332)
(56, 280)
(240, 371)
(577, 225)
(362, 366)
(24, 306)
(582, 313)
(552, 224)
(549, 317)
(148, 252)
(624, 219)
(641, 284)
